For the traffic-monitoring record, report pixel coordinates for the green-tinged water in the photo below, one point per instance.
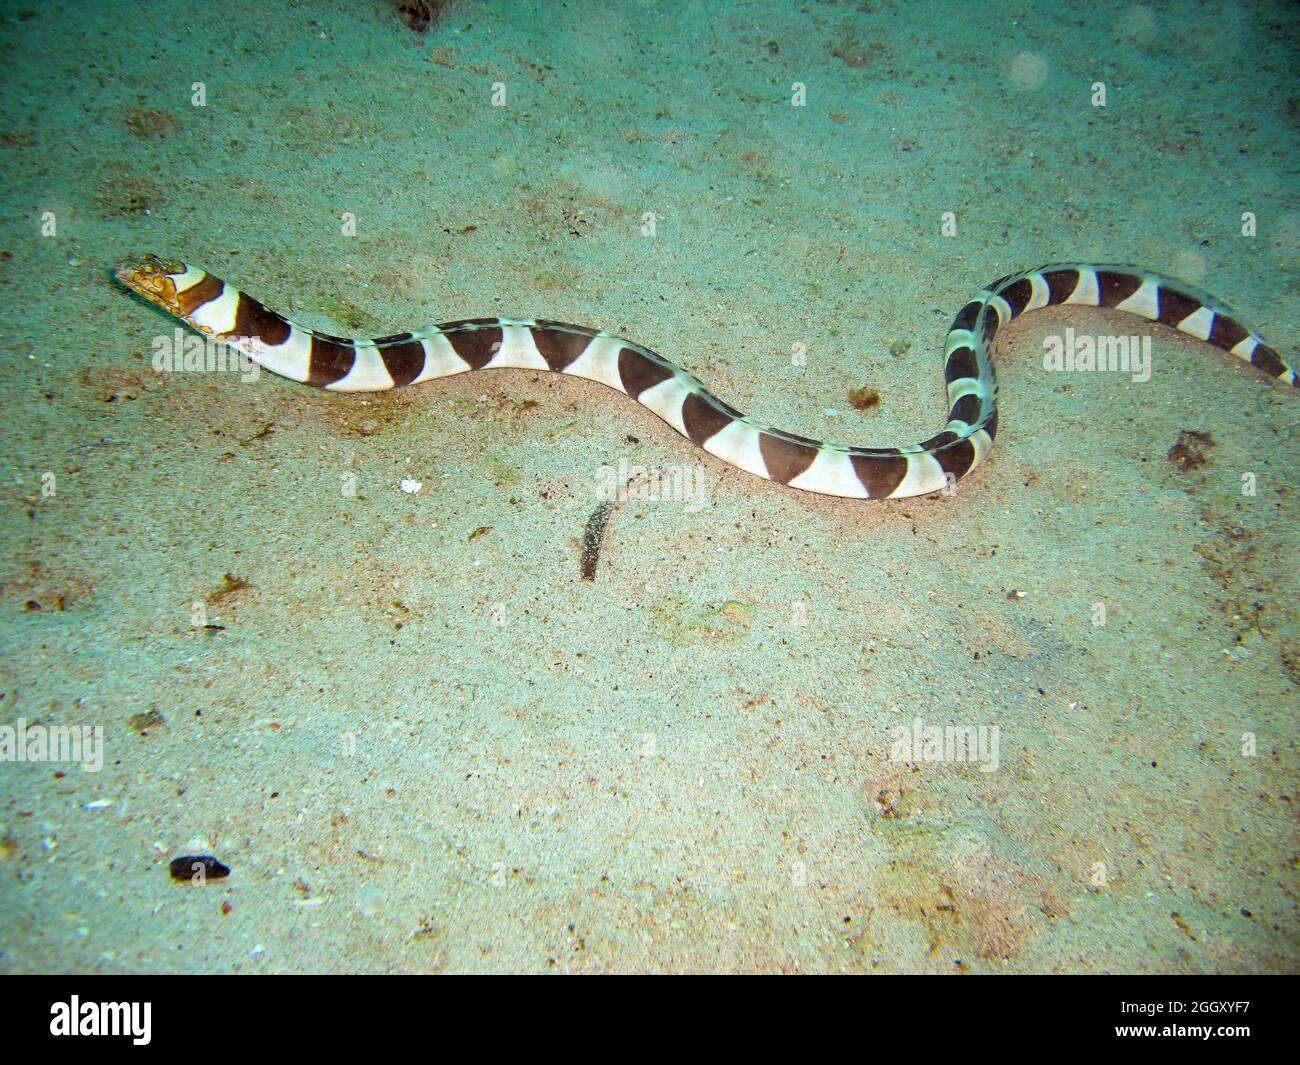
(343, 643)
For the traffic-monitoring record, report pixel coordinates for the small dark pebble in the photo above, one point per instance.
(183, 868)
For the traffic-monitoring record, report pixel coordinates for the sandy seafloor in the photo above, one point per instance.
(420, 749)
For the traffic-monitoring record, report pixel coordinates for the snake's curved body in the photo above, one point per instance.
(218, 310)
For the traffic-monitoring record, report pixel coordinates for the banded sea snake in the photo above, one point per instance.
(218, 310)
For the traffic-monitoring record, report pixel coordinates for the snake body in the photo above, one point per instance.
(342, 364)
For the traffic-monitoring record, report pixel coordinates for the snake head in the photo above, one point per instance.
(154, 279)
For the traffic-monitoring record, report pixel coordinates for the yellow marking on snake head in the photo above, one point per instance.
(152, 278)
